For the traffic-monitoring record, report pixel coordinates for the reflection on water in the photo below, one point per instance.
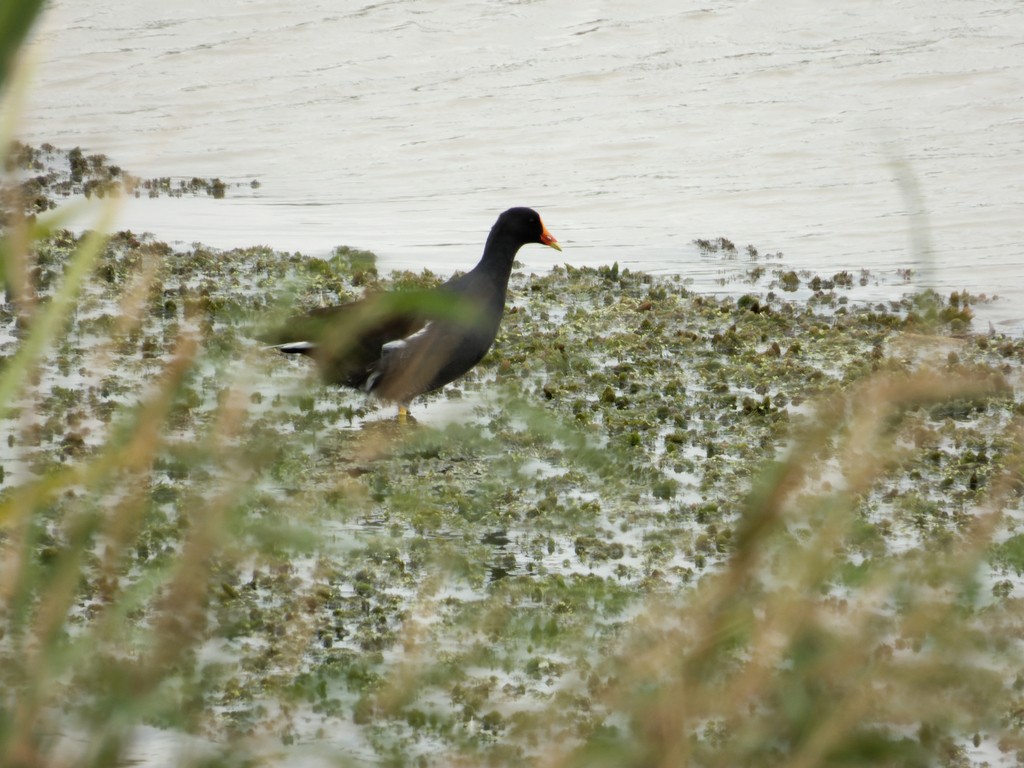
(404, 126)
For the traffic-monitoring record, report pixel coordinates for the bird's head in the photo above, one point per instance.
(525, 224)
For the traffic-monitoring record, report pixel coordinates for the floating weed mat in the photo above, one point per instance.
(37, 178)
(668, 529)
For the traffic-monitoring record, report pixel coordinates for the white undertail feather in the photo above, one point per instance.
(294, 346)
(397, 344)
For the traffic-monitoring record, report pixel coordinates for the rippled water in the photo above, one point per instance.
(845, 134)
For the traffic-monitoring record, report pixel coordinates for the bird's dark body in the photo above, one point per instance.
(397, 354)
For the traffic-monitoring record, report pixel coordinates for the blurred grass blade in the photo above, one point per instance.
(130, 447)
(16, 19)
(47, 321)
(20, 232)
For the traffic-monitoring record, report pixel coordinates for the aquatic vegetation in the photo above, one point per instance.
(780, 527)
(656, 507)
(38, 178)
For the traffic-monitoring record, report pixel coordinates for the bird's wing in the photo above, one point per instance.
(343, 328)
(348, 342)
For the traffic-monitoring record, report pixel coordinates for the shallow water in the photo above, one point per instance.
(845, 135)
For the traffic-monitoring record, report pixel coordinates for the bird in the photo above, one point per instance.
(397, 346)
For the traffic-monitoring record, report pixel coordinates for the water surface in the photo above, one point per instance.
(846, 135)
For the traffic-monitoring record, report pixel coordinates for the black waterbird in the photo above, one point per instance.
(397, 346)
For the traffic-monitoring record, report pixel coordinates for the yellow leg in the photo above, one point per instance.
(403, 414)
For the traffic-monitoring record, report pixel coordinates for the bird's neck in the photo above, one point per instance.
(499, 253)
